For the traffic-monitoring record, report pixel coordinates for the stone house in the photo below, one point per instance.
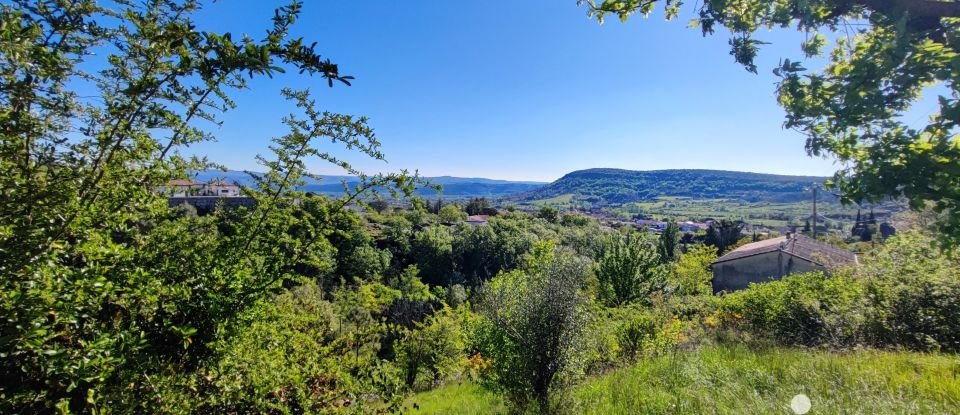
(772, 259)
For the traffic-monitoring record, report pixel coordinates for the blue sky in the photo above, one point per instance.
(526, 90)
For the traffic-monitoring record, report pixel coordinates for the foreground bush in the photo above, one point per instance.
(296, 354)
(804, 309)
(914, 293)
(106, 295)
(431, 351)
(534, 328)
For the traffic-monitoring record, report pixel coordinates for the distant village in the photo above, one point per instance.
(864, 227)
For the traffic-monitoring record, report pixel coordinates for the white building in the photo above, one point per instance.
(221, 188)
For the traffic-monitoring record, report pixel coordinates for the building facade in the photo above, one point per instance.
(774, 259)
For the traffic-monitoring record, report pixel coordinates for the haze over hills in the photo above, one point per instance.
(606, 186)
(455, 187)
(596, 186)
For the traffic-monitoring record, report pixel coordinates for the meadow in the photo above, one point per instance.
(738, 379)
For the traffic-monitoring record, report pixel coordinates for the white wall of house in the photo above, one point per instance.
(222, 190)
(176, 190)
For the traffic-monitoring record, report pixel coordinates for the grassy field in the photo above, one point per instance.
(562, 200)
(679, 207)
(738, 380)
(774, 215)
(457, 398)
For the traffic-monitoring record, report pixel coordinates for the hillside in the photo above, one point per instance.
(611, 186)
(454, 187)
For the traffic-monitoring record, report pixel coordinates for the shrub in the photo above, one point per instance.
(289, 357)
(914, 294)
(431, 350)
(805, 309)
(548, 214)
(646, 331)
(533, 329)
(574, 219)
(690, 274)
(636, 331)
(456, 295)
(628, 269)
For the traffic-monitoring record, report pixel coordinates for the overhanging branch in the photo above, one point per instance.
(922, 14)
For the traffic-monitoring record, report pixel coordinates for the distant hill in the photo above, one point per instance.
(455, 187)
(610, 186)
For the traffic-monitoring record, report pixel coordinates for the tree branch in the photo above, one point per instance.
(922, 14)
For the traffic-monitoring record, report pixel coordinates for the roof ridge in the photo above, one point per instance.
(797, 245)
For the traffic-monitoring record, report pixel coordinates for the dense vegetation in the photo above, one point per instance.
(683, 350)
(528, 308)
(608, 186)
(113, 302)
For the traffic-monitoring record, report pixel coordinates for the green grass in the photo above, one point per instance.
(772, 215)
(738, 380)
(685, 207)
(553, 201)
(458, 398)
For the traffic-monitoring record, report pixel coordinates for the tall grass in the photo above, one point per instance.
(457, 398)
(735, 379)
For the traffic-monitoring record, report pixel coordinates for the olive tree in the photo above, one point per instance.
(535, 326)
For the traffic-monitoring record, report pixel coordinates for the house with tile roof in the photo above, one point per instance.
(181, 188)
(772, 259)
(222, 188)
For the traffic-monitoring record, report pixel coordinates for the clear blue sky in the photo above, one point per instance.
(526, 90)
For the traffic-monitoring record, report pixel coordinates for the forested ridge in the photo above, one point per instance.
(623, 186)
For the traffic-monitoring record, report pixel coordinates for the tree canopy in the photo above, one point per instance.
(102, 285)
(886, 54)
